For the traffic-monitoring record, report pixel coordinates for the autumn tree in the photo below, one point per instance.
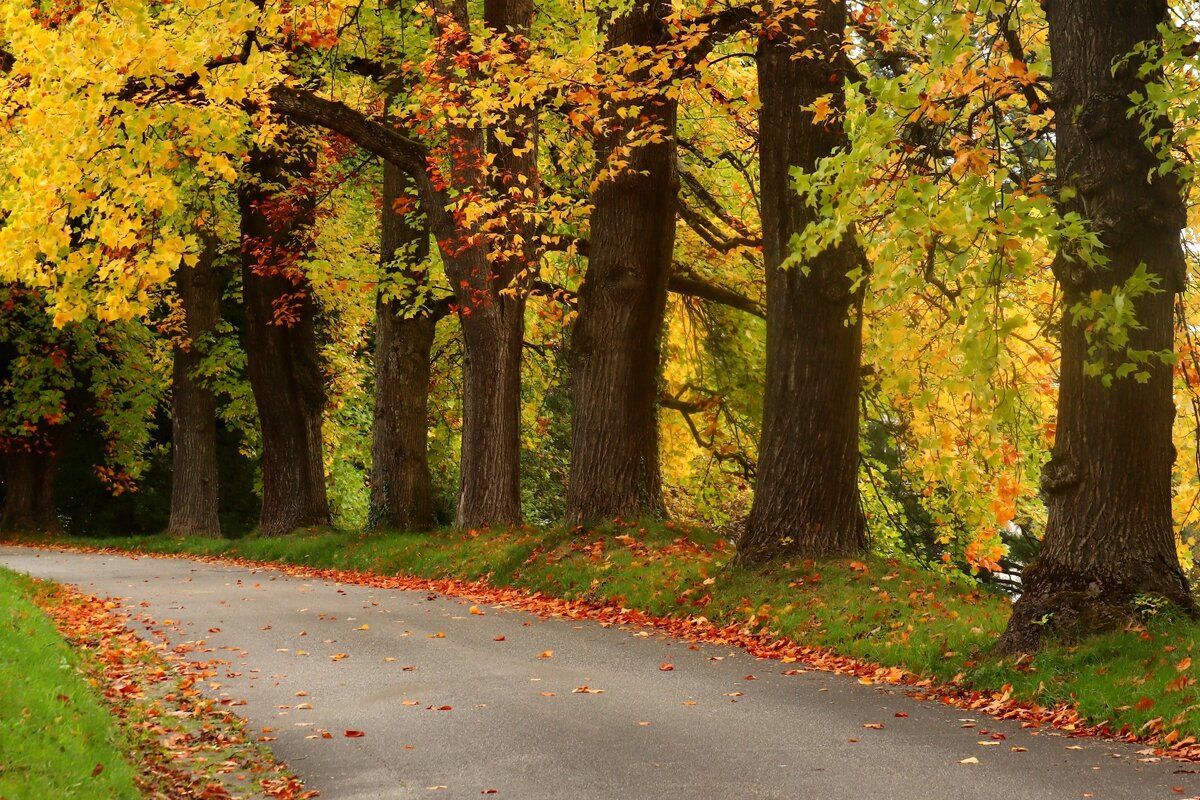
(401, 490)
(615, 370)
(806, 495)
(280, 337)
(1110, 535)
(195, 490)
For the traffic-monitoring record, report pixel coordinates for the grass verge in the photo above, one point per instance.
(1139, 682)
(57, 739)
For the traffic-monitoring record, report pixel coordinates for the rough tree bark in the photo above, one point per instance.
(281, 345)
(195, 493)
(806, 498)
(401, 489)
(1109, 536)
(615, 342)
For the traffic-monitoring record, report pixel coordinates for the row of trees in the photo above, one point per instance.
(903, 171)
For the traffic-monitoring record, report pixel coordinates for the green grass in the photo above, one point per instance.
(57, 739)
(884, 611)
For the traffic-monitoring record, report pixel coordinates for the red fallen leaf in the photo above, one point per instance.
(443, 708)
(901, 713)
(353, 734)
(1177, 789)
(1183, 665)
(214, 630)
(497, 638)
(858, 566)
(326, 735)
(794, 671)
(96, 770)
(339, 656)
(1144, 704)
(665, 667)
(490, 791)
(999, 737)
(749, 678)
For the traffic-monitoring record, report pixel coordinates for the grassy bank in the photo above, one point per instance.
(58, 739)
(1140, 680)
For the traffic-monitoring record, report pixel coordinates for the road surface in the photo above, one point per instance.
(454, 704)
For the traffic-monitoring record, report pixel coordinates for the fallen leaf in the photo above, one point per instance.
(586, 690)
(339, 656)
(901, 713)
(438, 635)
(353, 734)
(665, 667)
(548, 694)
(1182, 666)
(410, 702)
(363, 627)
(497, 638)
(476, 610)
(875, 726)
(546, 654)
(971, 760)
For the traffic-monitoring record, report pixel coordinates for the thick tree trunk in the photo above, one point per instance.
(490, 488)
(281, 346)
(1108, 484)
(806, 498)
(401, 489)
(614, 379)
(195, 495)
(489, 282)
(29, 498)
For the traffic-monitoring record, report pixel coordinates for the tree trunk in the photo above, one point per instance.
(490, 284)
(1109, 536)
(29, 498)
(806, 498)
(401, 490)
(281, 345)
(614, 380)
(195, 495)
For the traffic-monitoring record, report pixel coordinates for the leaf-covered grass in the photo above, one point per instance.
(57, 739)
(880, 610)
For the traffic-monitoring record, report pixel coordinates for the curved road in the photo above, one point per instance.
(455, 704)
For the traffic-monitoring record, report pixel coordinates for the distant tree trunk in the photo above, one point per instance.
(806, 498)
(29, 497)
(615, 355)
(490, 289)
(401, 489)
(281, 345)
(195, 495)
(1109, 536)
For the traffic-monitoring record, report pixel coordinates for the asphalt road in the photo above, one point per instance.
(449, 709)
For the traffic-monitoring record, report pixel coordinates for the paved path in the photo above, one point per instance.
(515, 725)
